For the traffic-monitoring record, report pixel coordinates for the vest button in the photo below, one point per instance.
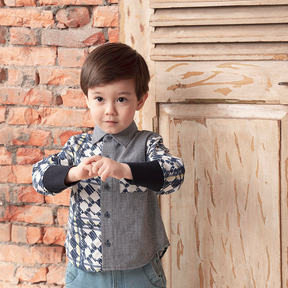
(107, 214)
(106, 186)
(108, 243)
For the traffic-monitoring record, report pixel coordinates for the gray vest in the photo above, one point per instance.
(132, 227)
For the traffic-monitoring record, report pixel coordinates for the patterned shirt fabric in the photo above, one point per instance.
(84, 241)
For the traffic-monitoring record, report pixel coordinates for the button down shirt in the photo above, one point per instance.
(116, 224)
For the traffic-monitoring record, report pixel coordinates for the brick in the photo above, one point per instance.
(73, 98)
(6, 272)
(65, 118)
(62, 198)
(28, 194)
(54, 76)
(3, 32)
(31, 255)
(32, 274)
(105, 16)
(5, 156)
(24, 136)
(22, 173)
(20, 3)
(28, 56)
(39, 97)
(54, 235)
(95, 39)
(26, 18)
(61, 137)
(29, 235)
(23, 116)
(3, 75)
(70, 2)
(12, 96)
(113, 35)
(74, 38)
(25, 77)
(56, 275)
(29, 214)
(62, 216)
(47, 255)
(48, 152)
(28, 155)
(23, 36)
(5, 232)
(2, 114)
(71, 57)
(73, 17)
(7, 175)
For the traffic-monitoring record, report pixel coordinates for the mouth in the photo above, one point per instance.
(110, 122)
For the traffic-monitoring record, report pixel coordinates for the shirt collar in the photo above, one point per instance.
(124, 137)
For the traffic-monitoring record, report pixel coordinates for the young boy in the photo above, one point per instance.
(115, 232)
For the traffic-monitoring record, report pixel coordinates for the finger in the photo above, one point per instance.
(92, 159)
(96, 166)
(88, 168)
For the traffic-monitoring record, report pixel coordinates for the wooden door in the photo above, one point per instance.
(216, 69)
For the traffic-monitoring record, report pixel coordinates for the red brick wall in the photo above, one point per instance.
(43, 44)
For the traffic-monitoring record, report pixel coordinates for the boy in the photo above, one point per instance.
(115, 229)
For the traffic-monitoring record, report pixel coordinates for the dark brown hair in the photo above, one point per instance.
(111, 62)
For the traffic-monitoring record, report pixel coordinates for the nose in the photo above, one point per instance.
(110, 109)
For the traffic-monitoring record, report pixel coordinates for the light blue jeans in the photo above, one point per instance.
(149, 276)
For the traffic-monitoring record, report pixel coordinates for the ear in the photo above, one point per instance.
(141, 102)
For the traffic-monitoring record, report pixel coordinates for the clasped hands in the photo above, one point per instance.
(97, 165)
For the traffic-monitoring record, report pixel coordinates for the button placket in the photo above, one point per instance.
(107, 189)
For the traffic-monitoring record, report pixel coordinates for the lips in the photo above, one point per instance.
(110, 122)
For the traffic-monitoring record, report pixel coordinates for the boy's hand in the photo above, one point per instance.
(98, 166)
(105, 167)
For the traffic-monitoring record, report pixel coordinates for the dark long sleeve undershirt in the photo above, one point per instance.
(146, 174)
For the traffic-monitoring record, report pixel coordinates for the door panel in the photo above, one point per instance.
(224, 223)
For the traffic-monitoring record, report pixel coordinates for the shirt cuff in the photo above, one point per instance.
(54, 178)
(147, 174)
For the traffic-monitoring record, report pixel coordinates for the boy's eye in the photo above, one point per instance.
(99, 99)
(122, 99)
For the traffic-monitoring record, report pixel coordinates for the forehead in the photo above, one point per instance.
(119, 86)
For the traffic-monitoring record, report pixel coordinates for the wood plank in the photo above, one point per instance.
(220, 34)
(223, 82)
(284, 199)
(220, 221)
(133, 28)
(219, 16)
(220, 51)
(211, 3)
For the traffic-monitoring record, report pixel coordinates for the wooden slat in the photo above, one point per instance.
(221, 51)
(222, 82)
(207, 3)
(219, 16)
(210, 34)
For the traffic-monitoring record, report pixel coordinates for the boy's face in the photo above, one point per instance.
(112, 106)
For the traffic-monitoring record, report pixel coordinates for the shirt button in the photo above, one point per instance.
(106, 186)
(107, 214)
(108, 243)
(109, 137)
